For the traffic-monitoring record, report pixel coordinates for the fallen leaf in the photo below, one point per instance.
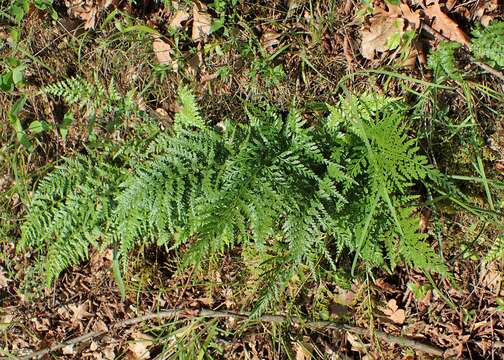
(484, 8)
(376, 37)
(392, 305)
(394, 313)
(302, 351)
(398, 316)
(68, 350)
(445, 25)
(86, 10)
(139, 348)
(347, 51)
(180, 16)
(202, 24)
(4, 281)
(79, 312)
(162, 51)
(269, 40)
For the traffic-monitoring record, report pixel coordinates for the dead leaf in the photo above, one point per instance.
(347, 51)
(269, 40)
(163, 53)
(4, 281)
(392, 305)
(376, 37)
(398, 316)
(87, 10)
(302, 351)
(394, 313)
(68, 350)
(202, 24)
(484, 11)
(180, 16)
(139, 348)
(357, 344)
(445, 25)
(79, 312)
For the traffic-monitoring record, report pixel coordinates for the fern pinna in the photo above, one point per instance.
(302, 193)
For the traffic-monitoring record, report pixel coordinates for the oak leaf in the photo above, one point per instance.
(445, 25)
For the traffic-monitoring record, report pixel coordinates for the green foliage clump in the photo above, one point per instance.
(488, 43)
(442, 61)
(298, 195)
(99, 101)
(71, 211)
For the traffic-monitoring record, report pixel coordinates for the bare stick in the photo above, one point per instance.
(481, 65)
(176, 313)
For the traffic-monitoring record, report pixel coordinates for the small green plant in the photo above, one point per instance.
(488, 43)
(296, 194)
(99, 101)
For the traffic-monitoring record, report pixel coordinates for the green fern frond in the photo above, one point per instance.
(488, 43)
(70, 211)
(442, 61)
(497, 249)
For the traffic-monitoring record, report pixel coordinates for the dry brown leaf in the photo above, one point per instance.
(269, 40)
(202, 23)
(445, 25)
(398, 316)
(347, 51)
(180, 16)
(4, 281)
(139, 348)
(87, 10)
(163, 52)
(394, 313)
(376, 36)
(413, 17)
(79, 312)
(68, 350)
(302, 351)
(392, 306)
(484, 11)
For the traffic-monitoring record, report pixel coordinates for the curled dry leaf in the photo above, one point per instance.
(269, 40)
(139, 347)
(486, 11)
(162, 50)
(445, 25)
(180, 16)
(202, 24)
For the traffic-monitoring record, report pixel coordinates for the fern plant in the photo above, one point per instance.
(488, 43)
(98, 101)
(297, 194)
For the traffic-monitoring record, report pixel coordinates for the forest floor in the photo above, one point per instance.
(231, 52)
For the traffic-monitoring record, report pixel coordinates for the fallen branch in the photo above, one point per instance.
(466, 50)
(182, 313)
